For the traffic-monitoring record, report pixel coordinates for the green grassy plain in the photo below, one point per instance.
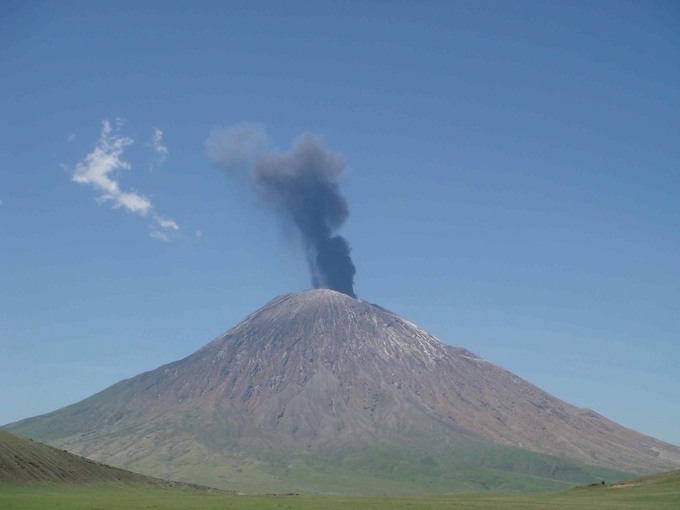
(653, 494)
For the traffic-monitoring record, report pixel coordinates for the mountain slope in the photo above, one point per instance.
(318, 381)
(26, 461)
(669, 479)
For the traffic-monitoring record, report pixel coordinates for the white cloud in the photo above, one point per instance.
(164, 229)
(99, 170)
(158, 147)
(133, 202)
(166, 223)
(161, 236)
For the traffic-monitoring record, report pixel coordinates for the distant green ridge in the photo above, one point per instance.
(25, 461)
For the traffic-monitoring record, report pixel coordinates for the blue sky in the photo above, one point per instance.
(511, 172)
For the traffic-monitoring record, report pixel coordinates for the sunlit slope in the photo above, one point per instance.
(320, 392)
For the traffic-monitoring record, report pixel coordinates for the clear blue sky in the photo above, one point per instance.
(512, 177)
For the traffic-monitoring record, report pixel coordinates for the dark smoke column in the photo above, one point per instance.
(304, 185)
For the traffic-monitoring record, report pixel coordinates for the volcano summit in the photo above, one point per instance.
(318, 391)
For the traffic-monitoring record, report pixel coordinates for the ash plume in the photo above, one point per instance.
(303, 186)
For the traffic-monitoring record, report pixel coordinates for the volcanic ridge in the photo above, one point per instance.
(320, 392)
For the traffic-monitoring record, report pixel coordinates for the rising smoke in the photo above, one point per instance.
(304, 186)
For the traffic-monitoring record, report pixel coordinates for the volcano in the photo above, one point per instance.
(321, 392)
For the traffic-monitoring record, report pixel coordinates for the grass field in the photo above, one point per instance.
(656, 493)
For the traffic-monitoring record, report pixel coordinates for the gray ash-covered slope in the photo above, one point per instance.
(317, 388)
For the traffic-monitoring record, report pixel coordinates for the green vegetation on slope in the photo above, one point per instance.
(373, 471)
(410, 472)
(23, 461)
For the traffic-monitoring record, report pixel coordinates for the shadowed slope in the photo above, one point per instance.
(26, 461)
